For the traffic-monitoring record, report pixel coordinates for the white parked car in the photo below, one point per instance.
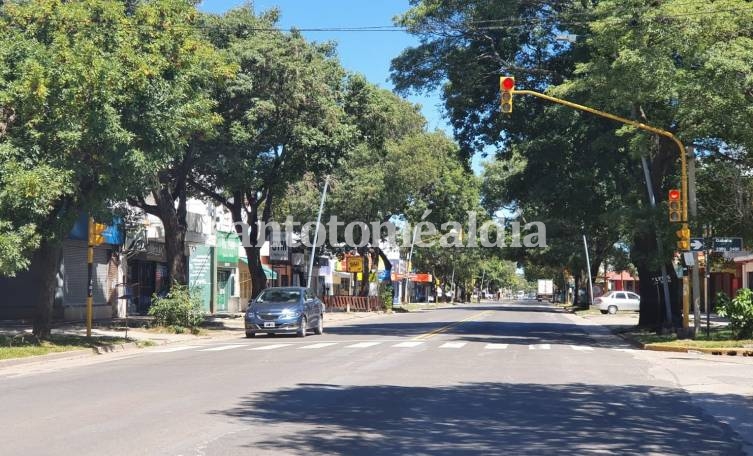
(618, 300)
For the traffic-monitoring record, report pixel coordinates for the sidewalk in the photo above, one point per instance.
(721, 386)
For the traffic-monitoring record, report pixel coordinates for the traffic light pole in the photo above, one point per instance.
(656, 131)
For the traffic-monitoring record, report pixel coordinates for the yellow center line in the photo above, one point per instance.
(431, 334)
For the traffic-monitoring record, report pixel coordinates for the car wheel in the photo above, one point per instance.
(612, 310)
(250, 334)
(271, 334)
(319, 330)
(604, 312)
(303, 327)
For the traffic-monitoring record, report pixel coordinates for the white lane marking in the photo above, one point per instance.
(408, 344)
(222, 347)
(628, 350)
(581, 348)
(495, 346)
(319, 345)
(452, 345)
(174, 349)
(270, 347)
(539, 347)
(363, 345)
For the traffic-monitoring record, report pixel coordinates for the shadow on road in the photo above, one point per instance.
(480, 418)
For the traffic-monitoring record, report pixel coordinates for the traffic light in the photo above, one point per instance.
(97, 235)
(675, 208)
(506, 87)
(683, 238)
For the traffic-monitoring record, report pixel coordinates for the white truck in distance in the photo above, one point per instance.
(545, 290)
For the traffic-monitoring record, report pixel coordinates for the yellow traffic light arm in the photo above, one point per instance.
(636, 124)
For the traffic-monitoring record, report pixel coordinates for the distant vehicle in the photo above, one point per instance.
(545, 290)
(618, 300)
(285, 310)
(521, 294)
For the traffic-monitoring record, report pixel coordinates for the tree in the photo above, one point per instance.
(62, 90)
(670, 64)
(282, 117)
(92, 100)
(170, 110)
(396, 172)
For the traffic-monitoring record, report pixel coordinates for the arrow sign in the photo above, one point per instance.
(696, 244)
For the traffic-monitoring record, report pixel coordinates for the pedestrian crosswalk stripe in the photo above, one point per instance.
(222, 347)
(452, 345)
(539, 347)
(408, 344)
(270, 347)
(319, 345)
(363, 344)
(495, 346)
(581, 347)
(174, 349)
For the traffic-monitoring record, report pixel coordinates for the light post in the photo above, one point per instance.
(410, 264)
(454, 232)
(316, 232)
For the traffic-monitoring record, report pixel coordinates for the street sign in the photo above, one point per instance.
(696, 244)
(727, 244)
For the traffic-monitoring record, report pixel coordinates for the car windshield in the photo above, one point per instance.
(280, 296)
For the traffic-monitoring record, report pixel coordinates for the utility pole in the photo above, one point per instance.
(588, 268)
(659, 244)
(693, 212)
(409, 267)
(316, 232)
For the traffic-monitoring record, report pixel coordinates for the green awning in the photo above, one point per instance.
(269, 272)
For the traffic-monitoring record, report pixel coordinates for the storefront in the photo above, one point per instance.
(227, 291)
(147, 275)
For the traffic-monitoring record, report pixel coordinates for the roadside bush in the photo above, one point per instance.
(739, 310)
(387, 298)
(180, 308)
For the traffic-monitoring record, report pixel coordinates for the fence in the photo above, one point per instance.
(353, 303)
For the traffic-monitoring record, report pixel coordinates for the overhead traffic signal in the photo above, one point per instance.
(683, 237)
(675, 206)
(506, 88)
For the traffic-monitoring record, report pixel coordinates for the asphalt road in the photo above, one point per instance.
(518, 379)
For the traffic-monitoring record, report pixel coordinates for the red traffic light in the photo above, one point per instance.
(508, 83)
(674, 195)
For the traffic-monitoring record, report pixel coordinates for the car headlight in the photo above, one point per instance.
(288, 313)
(251, 313)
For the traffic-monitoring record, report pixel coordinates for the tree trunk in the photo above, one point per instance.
(576, 292)
(255, 269)
(45, 267)
(174, 221)
(651, 313)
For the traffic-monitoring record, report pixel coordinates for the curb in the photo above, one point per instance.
(71, 354)
(732, 351)
(727, 351)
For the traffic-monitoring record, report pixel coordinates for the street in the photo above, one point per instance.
(514, 378)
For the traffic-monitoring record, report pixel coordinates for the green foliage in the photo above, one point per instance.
(180, 308)
(386, 296)
(739, 310)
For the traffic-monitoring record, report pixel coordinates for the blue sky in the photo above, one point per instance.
(368, 53)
